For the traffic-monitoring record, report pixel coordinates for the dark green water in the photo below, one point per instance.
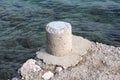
(22, 24)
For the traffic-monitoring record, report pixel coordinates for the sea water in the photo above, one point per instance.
(22, 26)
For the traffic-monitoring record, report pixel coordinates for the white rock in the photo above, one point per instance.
(36, 68)
(47, 75)
(118, 52)
(28, 67)
(58, 69)
(64, 67)
(14, 78)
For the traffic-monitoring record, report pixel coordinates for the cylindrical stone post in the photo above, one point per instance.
(59, 38)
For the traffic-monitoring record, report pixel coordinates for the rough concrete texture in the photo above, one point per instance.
(102, 62)
(80, 47)
(59, 38)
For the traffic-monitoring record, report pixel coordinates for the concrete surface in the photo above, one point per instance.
(59, 38)
(80, 47)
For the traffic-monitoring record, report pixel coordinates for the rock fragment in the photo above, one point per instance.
(47, 75)
(58, 68)
(29, 67)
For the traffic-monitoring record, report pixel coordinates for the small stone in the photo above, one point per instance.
(22, 78)
(15, 78)
(118, 52)
(19, 71)
(36, 68)
(29, 67)
(47, 75)
(58, 69)
(64, 67)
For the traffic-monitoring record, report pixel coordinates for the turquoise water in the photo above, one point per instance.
(22, 24)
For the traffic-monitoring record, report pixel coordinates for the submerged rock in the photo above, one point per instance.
(15, 78)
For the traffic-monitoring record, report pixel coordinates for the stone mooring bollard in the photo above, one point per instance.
(63, 48)
(59, 38)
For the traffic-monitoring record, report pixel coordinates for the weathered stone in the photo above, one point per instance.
(29, 68)
(59, 38)
(47, 75)
(58, 69)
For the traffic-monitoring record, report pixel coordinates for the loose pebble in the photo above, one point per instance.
(14, 78)
(36, 68)
(58, 69)
(47, 75)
